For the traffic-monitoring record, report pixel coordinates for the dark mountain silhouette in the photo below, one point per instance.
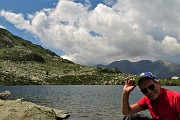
(162, 69)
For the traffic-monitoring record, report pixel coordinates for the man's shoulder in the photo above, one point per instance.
(145, 99)
(171, 93)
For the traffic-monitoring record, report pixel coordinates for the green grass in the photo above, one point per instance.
(24, 63)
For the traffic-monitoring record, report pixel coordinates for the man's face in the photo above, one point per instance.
(150, 88)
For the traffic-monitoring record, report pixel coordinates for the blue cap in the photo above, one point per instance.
(145, 75)
(148, 74)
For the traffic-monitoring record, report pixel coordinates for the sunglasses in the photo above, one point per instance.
(150, 87)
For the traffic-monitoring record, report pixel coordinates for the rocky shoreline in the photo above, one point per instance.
(24, 110)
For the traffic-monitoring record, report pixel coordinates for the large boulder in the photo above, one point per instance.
(23, 110)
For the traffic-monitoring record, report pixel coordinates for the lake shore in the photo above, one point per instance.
(24, 110)
(82, 102)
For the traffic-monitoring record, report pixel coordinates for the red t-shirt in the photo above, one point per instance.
(166, 107)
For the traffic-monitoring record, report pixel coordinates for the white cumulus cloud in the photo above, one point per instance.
(130, 29)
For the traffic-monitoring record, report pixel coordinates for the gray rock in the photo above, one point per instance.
(4, 95)
(23, 110)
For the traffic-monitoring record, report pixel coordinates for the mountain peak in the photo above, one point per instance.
(163, 69)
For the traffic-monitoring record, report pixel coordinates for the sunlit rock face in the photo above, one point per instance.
(23, 110)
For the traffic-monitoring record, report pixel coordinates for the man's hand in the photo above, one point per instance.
(129, 86)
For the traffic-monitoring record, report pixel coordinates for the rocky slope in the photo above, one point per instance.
(24, 63)
(23, 110)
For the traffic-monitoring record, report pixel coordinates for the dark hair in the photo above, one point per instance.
(145, 78)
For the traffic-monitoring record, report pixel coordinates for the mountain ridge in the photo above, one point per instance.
(25, 63)
(163, 69)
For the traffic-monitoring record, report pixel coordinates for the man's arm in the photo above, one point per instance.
(129, 109)
(126, 108)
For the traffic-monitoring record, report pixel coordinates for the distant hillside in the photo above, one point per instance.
(160, 68)
(14, 48)
(24, 63)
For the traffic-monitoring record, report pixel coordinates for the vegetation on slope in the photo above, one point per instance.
(24, 63)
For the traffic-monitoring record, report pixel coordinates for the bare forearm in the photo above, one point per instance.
(125, 104)
(126, 108)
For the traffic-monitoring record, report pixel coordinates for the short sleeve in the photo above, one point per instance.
(143, 103)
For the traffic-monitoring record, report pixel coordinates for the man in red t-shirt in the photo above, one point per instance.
(163, 104)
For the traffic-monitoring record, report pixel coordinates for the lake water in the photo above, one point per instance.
(82, 102)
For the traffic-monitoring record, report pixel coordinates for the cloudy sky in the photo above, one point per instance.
(91, 32)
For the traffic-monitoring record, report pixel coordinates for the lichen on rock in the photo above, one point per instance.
(24, 110)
